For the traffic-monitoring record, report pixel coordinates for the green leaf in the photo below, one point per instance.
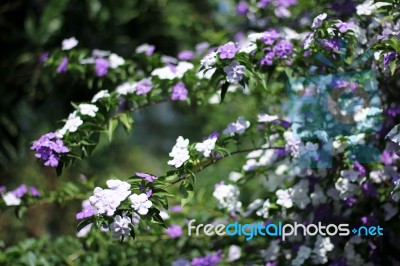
(224, 90)
(392, 66)
(127, 121)
(112, 125)
(187, 191)
(83, 224)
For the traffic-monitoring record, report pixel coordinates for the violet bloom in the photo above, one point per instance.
(270, 36)
(63, 66)
(227, 51)
(338, 83)
(34, 191)
(387, 58)
(339, 262)
(209, 260)
(213, 135)
(88, 211)
(280, 152)
(2, 189)
(387, 157)
(263, 3)
(242, 8)
(345, 26)
(147, 177)
(234, 72)
(268, 59)
(186, 55)
(283, 49)
(48, 148)
(101, 67)
(359, 168)
(176, 209)
(179, 92)
(43, 57)
(20, 191)
(271, 264)
(174, 231)
(285, 3)
(144, 86)
(369, 220)
(369, 190)
(331, 44)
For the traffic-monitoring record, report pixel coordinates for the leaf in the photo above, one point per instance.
(127, 121)
(187, 191)
(112, 125)
(224, 90)
(83, 224)
(392, 66)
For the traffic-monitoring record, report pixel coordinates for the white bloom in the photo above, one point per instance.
(143, 48)
(311, 146)
(368, 7)
(125, 88)
(120, 226)
(84, 231)
(234, 72)
(322, 246)
(100, 95)
(264, 211)
(180, 152)
(248, 47)
(318, 20)
(253, 206)
(88, 109)
(299, 194)
(209, 60)
(318, 197)
(68, 44)
(140, 203)
(308, 40)
(350, 175)
(265, 118)
(100, 53)
(352, 258)
(121, 187)
(206, 73)
(235, 176)
(345, 188)
(116, 60)
(169, 72)
(206, 146)
(11, 200)
(250, 165)
(302, 255)
(272, 252)
(390, 211)
(234, 253)
(227, 197)
(378, 176)
(394, 134)
(237, 127)
(284, 197)
(164, 215)
(71, 125)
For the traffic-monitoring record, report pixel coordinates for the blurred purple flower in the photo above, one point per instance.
(34, 191)
(176, 209)
(268, 59)
(144, 86)
(43, 57)
(63, 66)
(227, 51)
(179, 92)
(387, 58)
(209, 260)
(270, 36)
(20, 191)
(242, 8)
(174, 231)
(147, 177)
(101, 67)
(263, 3)
(186, 55)
(369, 190)
(88, 211)
(283, 49)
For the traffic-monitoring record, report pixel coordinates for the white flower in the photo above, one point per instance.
(140, 203)
(299, 194)
(170, 72)
(164, 215)
(264, 211)
(235, 176)
(234, 253)
(253, 206)
(120, 187)
(88, 109)
(206, 146)
(350, 175)
(318, 197)
(116, 60)
(68, 44)
(318, 20)
(272, 251)
(394, 134)
(100, 95)
(284, 197)
(237, 127)
(248, 47)
(311, 146)
(345, 188)
(234, 72)
(100, 53)
(11, 200)
(84, 231)
(120, 226)
(378, 176)
(303, 254)
(322, 246)
(143, 48)
(209, 60)
(308, 40)
(265, 118)
(227, 197)
(125, 88)
(368, 7)
(180, 152)
(71, 125)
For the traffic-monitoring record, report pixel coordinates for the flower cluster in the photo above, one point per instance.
(49, 148)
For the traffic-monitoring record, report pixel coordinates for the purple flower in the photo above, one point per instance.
(43, 57)
(213, 135)
(227, 51)
(186, 55)
(270, 36)
(149, 192)
(179, 92)
(234, 72)
(283, 123)
(270, 263)
(285, 3)
(268, 59)
(280, 152)
(263, 3)
(283, 49)
(147, 177)
(387, 157)
(209, 260)
(369, 190)
(144, 86)
(88, 211)
(2, 189)
(176, 209)
(339, 262)
(48, 148)
(63, 66)
(331, 44)
(387, 58)
(242, 8)
(369, 220)
(174, 231)
(338, 83)
(350, 201)
(20, 191)
(101, 67)
(34, 191)
(359, 168)
(345, 26)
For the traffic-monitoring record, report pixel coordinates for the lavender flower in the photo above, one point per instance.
(63, 66)
(242, 8)
(20, 191)
(234, 72)
(48, 148)
(147, 177)
(43, 57)
(101, 67)
(283, 49)
(87, 211)
(176, 209)
(345, 26)
(227, 51)
(144, 86)
(2, 189)
(270, 36)
(387, 58)
(318, 20)
(179, 92)
(147, 49)
(209, 260)
(331, 44)
(268, 59)
(263, 3)
(174, 231)
(120, 226)
(34, 191)
(186, 55)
